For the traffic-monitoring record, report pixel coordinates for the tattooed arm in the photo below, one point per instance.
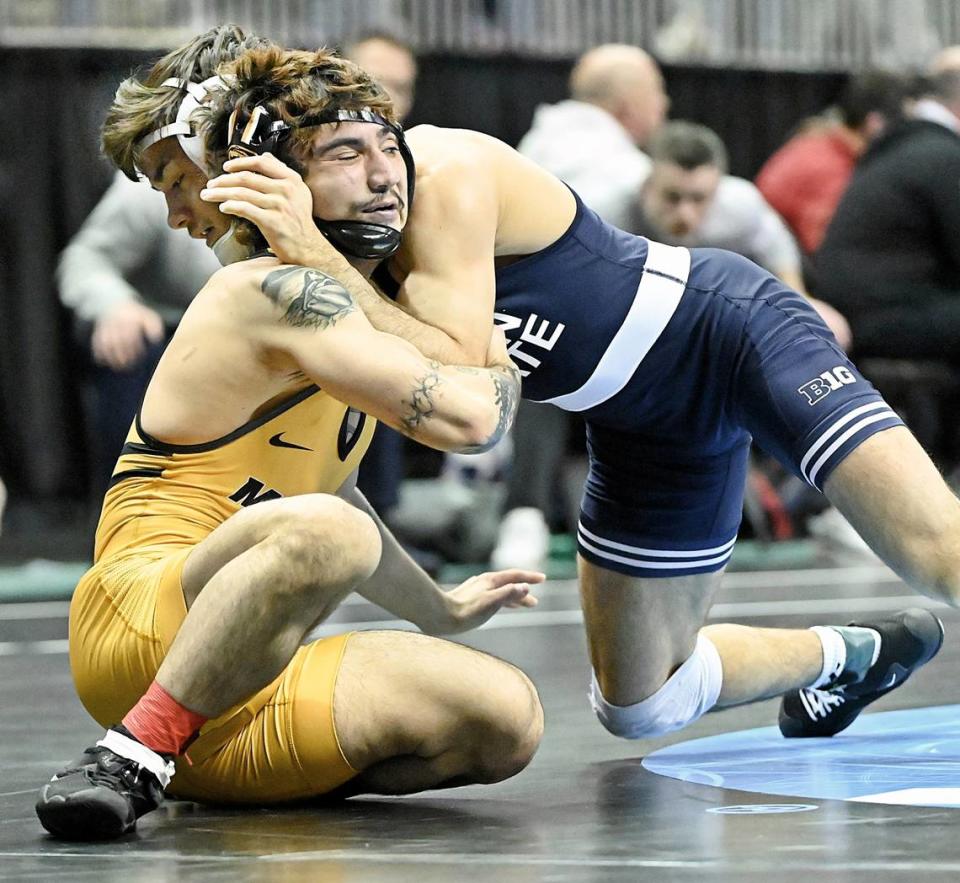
(445, 307)
(314, 320)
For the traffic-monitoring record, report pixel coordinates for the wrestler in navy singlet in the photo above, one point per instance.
(676, 358)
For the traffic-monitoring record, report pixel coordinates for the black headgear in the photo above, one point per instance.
(261, 133)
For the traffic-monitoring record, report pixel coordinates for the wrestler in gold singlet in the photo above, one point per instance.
(163, 500)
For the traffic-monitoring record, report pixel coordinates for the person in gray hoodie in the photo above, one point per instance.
(617, 101)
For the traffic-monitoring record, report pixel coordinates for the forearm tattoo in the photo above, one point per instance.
(421, 398)
(311, 299)
(506, 383)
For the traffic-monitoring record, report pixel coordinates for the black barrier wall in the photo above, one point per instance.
(51, 176)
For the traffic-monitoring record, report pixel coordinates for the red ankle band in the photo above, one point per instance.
(161, 723)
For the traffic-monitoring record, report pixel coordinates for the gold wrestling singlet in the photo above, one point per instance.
(126, 610)
(165, 494)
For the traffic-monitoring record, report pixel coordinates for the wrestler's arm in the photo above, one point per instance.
(451, 284)
(447, 301)
(400, 586)
(314, 320)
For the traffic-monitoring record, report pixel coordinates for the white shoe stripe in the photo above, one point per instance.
(138, 753)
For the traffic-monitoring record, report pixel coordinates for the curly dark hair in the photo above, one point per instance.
(291, 85)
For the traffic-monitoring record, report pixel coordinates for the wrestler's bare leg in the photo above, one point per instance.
(639, 631)
(255, 587)
(890, 491)
(414, 712)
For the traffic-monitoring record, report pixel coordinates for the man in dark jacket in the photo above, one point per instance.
(890, 260)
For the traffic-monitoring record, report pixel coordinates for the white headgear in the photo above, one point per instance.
(226, 248)
(190, 141)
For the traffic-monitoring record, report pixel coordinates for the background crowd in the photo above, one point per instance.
(845, 185)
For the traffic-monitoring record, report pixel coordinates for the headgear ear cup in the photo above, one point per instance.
(236, 147)
(260, 133)
(246, 139)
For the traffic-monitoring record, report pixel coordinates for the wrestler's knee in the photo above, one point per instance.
(323, 540)
(509, 729)
(691, 691)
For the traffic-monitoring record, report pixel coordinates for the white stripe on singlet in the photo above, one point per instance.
(636, 556)
(664, 279)
(830, 435)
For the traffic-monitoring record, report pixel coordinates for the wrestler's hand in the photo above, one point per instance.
(119, 336)
(273, 196)
(473, 602)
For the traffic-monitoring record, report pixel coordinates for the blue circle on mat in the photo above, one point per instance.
(898, 757)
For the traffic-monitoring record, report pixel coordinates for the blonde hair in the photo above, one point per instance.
(141, 105)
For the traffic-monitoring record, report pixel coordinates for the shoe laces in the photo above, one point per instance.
(820, 703)
(110, 769)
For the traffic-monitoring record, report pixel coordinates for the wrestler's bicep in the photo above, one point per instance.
(451, 282)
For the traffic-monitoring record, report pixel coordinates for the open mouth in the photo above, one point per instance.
(381, 208)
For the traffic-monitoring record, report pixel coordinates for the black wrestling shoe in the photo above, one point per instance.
(907, 641)
(102, 795)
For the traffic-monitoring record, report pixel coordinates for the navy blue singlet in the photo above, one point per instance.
(677, 358)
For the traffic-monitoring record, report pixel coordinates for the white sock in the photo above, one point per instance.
(876, 647)
(833, 640)
(834, 654)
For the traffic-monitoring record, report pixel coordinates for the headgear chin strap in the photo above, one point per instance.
(260, 133)
(228, 249)
(190, 141)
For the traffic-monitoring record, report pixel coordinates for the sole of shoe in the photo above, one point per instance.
(83, 816)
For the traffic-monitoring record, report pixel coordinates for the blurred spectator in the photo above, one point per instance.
(390, 62)
(689, 200)
(805, 178)
(945, 61)
(890, 258)
(592, 140)
(128, 277)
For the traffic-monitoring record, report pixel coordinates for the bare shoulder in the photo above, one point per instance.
(458, 175)
(249, 298)
(438, 149)
(464, 162)
(427, 137)
(305, 297)
(488, 188)
(266, 304)
(240, 281)
(266, 290)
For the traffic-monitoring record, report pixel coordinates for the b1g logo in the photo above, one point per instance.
(820, 387)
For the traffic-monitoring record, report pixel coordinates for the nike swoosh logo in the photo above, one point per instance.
(278, 442)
